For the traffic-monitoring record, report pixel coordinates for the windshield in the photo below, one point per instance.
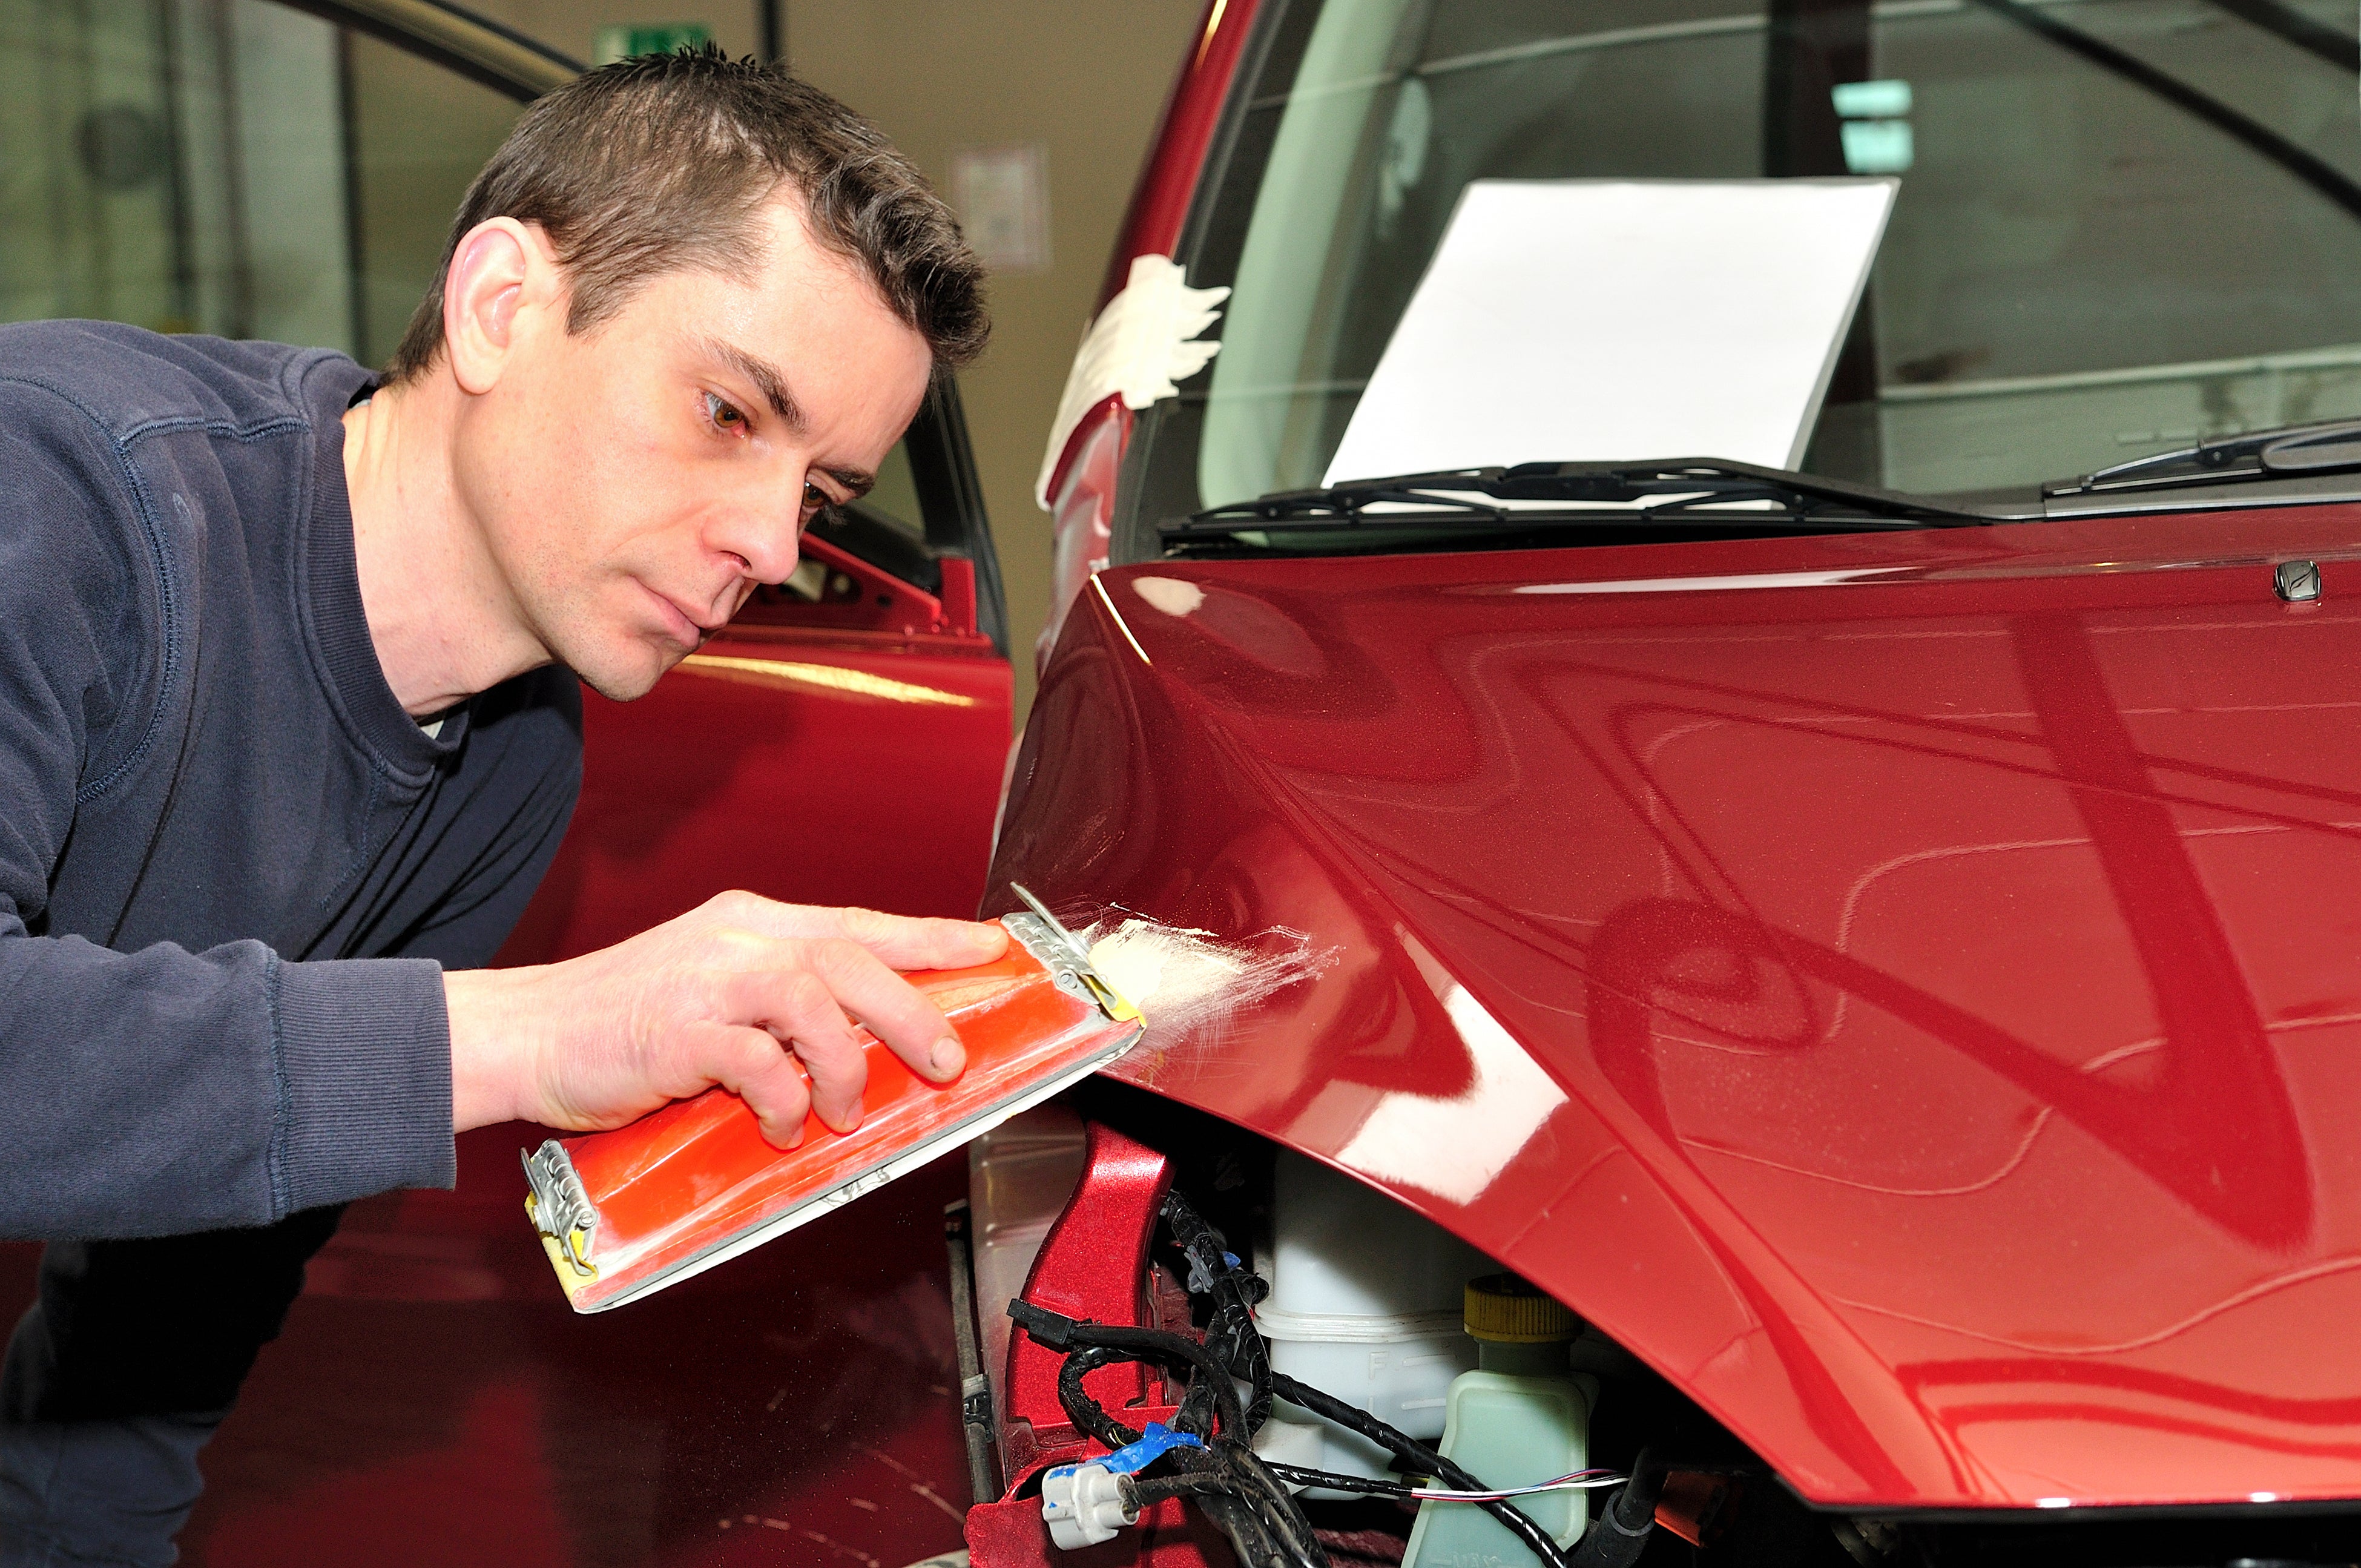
(2122, 226)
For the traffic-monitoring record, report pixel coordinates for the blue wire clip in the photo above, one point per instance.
(1154, 1443)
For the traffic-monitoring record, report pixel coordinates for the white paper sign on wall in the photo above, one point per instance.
(1003, 197)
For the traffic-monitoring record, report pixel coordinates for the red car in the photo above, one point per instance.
(1886, 961)
(1866, 936)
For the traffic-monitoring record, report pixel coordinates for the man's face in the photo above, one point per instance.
(637, 481)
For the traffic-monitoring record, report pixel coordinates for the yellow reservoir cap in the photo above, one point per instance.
(1505, 1310)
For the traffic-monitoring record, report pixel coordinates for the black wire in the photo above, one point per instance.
(1231, 1335)
(1245, 1527)
(1268, 1526)
(1236, 1488)
(1416, 1454)
(1194, 1484)
(1281, 1513)
(1254, 1512)
(1081, 1408)
(1167, 1348)
(1304, 1476)
(1212, 1273)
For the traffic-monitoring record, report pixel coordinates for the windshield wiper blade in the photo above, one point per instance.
(2285, 453)
(1677, 492)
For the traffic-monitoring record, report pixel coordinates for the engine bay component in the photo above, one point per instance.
(696, 1184)
(1366, 1302)
(1520, 1416)
(1132, 1288)
(1249, 1499)
(1086, 1504)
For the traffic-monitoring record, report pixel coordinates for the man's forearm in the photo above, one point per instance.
(167, 1091)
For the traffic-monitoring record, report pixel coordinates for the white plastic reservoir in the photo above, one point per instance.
(1366, 1303)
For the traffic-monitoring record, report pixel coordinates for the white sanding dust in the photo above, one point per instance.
(1186, 983)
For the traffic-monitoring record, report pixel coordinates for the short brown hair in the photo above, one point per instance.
(659, 163)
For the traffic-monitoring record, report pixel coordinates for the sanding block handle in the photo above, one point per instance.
(628, 1212)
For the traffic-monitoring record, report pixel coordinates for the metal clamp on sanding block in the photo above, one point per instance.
(560, 1209)
(1062, 954)
(694, 1184)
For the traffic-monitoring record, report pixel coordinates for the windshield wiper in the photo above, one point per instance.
(2285, 453)
(1706, 493)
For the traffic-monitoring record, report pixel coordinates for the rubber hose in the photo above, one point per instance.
(1627, 1520)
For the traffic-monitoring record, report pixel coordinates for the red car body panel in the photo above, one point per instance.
(1905, 987)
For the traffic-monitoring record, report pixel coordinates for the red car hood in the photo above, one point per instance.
(1905, 988)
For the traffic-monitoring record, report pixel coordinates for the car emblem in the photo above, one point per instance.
(2298, 582)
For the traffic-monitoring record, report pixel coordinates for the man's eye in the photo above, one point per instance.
(724, 415)
(816, 499)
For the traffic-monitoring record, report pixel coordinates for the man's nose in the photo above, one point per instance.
(763, 535)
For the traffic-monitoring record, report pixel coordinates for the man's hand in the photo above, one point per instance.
(737, 992)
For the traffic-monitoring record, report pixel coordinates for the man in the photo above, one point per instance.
(288, 734)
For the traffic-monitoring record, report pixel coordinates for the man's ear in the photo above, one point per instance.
(501, 270)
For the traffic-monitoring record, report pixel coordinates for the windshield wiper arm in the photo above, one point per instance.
(2284, 453)
(1678, 491)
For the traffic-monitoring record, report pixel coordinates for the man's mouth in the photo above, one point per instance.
(679, 624)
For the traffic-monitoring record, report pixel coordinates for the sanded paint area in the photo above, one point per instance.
(434, 1400)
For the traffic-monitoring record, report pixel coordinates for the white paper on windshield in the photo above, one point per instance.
(1619, 320)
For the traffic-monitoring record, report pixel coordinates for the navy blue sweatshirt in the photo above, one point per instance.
(231, 866)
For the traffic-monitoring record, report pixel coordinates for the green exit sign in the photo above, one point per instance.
(623, 40)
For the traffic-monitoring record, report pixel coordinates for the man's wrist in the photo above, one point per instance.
(489, 1051)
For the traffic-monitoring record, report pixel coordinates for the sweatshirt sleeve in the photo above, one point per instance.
(162, 1090)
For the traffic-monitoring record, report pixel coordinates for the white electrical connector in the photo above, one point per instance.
(1083, 1505)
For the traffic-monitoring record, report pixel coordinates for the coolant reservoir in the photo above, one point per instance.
(1366, 1303)
(1519, 1417)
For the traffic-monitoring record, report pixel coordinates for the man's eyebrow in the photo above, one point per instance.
(765, 376)
(774, 388)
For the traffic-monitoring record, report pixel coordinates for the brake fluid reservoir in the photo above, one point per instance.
(1519, 1417)
(1365, 1304)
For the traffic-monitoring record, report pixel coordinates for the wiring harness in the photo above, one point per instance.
(1206, 1454)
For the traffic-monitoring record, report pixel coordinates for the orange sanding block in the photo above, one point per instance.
(624, 1213)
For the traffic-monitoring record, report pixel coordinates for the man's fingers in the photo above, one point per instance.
(799, 1008)
(895, 1011)
(902, 941)
(752, 1065)
(908, 943)
(860, 983)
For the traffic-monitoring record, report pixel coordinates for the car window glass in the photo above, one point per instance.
(2122, 225)
(895, 497)
(227, 166)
